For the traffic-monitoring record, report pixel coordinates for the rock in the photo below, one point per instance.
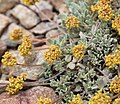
(63, 9)
(4, 22)
(33, 72)
(6, 36)
(45, 8)
(3, 47)
(6, 5)
(43, 27)
(57, 4)
(48, 13)
(42, 5)
(27, 17)
(30, 96)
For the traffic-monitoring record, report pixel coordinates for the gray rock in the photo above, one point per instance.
(43, 27)
(6, 5)
(27, 17)
(43, 7)
(30, 96)
(4, 22)
(63, 9)
(3, 47)
(56, 3)
(33, 72)
(6, 36)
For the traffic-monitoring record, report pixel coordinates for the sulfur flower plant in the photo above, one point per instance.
(43, 100)
(115, 85)
(72, 22)
(16, 34)
(15, 84)
(76, 100)
(83, 59)
(116, 23)
(116, 101)
(30, 2)
(113, 59)
(52, 54)
(26, 46)
(105, 12)
(78, 50)
(8, 59)
(100, 98)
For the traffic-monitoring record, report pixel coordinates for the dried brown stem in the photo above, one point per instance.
(28, 65)
(117, 95)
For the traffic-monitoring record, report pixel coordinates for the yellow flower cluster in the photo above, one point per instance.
(115, 85)
(117, 101)
(72, 22)
(26, 46)
(15, 84)
(76, 100)
(52, 54)
(113, 59)
(30, 2)
(105, 12)
(78, 50)
(100, 98)
(116, 23)
(16, 34)
(44, 101)
(8, 59)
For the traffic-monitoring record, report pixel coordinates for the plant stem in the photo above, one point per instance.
(28, 65)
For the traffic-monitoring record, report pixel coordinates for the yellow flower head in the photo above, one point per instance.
(100, 98)
(16, 34)
(109, 60)
(116, 24)
(15, 84)
(26, 46)
(8, 59)
(30, 2)
(116, 101)
(113, 59)
(100, 4)
(52, 54)
(115, 85)
(42, 100)
(105, 1)
(105, 12)
(76, 100)
(94, 7)
(72, 22)
(78, 50)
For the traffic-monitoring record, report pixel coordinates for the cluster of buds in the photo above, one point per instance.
(52, 54)
(113, 59)
(26, 46)
(116, 23)
(100, 98)
(78, 50)
(16, 34)
(76, 100)
(72, 22)
(15, 84)
(30, 2)
(8, 59)
(42, 100)
(115, 85)
(105, 12)
(116, 101)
